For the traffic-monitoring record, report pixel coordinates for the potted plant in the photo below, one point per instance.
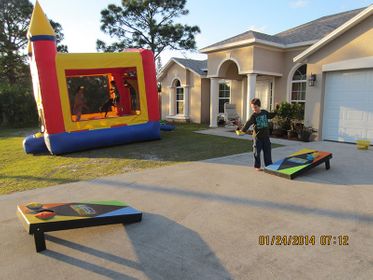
(305, 134)
(292, 134)
(221, 120)
(276, 127)
(284, 116)
(297, 117)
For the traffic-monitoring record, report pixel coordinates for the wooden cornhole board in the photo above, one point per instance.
(61, 216)
(299, 163)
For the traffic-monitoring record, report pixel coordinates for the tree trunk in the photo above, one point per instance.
(4, 121)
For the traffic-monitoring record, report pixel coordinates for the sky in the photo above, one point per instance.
(217, 19)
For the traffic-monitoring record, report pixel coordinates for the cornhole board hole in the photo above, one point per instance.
(298, 163)
(40, 218)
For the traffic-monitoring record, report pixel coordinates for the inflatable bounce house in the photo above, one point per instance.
(91, 100)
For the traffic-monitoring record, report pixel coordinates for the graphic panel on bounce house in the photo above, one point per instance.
(89, 71)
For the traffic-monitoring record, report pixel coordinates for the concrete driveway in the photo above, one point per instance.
(202, 220)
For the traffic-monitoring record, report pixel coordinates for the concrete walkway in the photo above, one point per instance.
(229, 132)
(202, 220)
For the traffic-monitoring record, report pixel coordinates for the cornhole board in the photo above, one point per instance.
(298, 163)
(61, 216)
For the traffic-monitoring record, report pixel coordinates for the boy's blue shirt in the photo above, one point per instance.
(260, 124)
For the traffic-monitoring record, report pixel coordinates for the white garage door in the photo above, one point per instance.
(348, 106)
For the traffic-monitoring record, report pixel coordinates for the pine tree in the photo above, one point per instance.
(147, 24)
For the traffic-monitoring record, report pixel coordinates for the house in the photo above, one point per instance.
(185, 91)
(326, 65)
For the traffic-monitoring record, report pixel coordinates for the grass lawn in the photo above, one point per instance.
(19, 171)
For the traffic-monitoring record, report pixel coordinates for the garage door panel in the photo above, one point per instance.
(330, 134)
(370, 117)
(369, 133)
(333, 114)
(349, 134)
(348, 106)
(355, 115)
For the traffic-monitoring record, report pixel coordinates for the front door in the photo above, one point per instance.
(265, 93)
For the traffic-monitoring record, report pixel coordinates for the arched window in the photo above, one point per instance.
(179, 98)
(298, 85)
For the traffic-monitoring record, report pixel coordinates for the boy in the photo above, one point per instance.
(79, 103)
(259, 120)
(106, 107)
(114, 93)
(113, 100)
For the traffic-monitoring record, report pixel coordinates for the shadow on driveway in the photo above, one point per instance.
(164, 249)
(341, 215)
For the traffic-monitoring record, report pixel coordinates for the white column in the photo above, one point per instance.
(172, 101)
(251, 85)
(244, 100)
(214, 101)
(186, 101)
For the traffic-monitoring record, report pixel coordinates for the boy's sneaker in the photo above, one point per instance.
(258, 169)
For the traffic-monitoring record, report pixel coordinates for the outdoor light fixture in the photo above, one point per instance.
(312, 80)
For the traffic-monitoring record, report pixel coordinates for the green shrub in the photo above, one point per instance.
(289, 115)
(17, 106)
(284, 115)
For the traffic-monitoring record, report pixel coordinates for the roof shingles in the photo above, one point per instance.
(198, 66)
(311, 31)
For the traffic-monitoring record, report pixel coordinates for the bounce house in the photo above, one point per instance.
(91, 100)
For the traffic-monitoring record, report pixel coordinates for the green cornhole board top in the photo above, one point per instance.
(298, 163)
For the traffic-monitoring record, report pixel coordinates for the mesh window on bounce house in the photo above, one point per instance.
(89, 100)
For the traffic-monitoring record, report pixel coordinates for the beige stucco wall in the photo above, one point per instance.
(175, 71)
(195, 96)
(165, 101)
(192, 82)
(255, 59)
(355, 43)
(205, 101)
(282, 87)
(236, 95)
(268, 60)
(242, 56)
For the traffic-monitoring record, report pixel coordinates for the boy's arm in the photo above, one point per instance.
(249, 123)
(271, 115)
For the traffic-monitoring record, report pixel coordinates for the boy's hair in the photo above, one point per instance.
(255, 101)
(79, 88)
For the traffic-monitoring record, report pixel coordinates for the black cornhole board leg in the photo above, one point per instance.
(39, 241)
(327, 164)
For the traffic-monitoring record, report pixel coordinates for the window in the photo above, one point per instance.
(271, 97)
(179, 98)
(102, 93)
(87, 94)
(224, 95)
(299, 84)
